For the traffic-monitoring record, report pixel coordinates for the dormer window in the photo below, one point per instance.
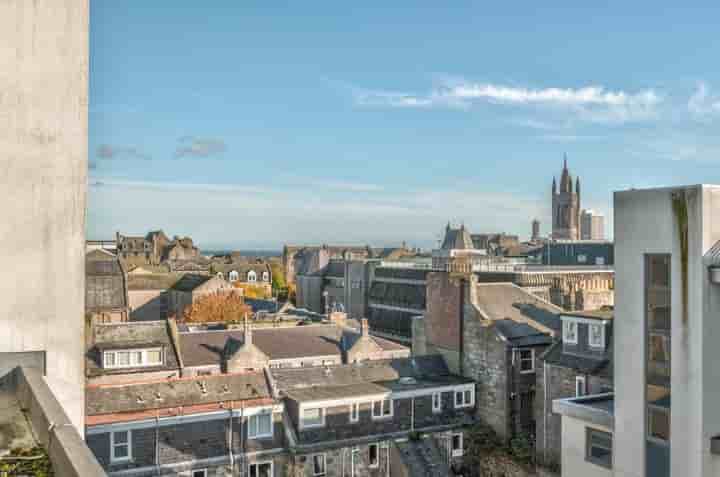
(570, 332)
(596, 336)
(266, 277)
(233, 276)
(132, 358)
(251, 276)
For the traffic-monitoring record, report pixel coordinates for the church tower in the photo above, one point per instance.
(566, 207)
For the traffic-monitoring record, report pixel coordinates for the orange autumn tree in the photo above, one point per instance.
(217, 307)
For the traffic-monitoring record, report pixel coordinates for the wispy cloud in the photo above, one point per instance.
(591, 103)
(108, 151)
(197, 147)
(703, 102)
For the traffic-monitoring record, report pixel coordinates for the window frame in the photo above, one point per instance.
(457, 452)
(127, 443)
(258, 435)
(589, 431)
(592, 345)
(257, 464)
(204, 472)
(303, 425)
(391, 407)
(578, 380)
(567, 324)
(464, 403)
(354, 413)
(251, 276)
(144, 362)
(520, 360)
(437, 406)
(659, 409)
(324, 465)
(376, 464)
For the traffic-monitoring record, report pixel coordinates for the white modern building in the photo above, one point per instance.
(592, 225)
(667, 336)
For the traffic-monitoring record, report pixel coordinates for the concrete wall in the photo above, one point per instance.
(573, 453)
(644, 223)
(43, 156)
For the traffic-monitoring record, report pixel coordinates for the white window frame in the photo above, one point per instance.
(355, 412)
(519, 360)
(601, 344)
(252, 276)
(375, 465)
(324, 465)
(113, 445)
(457, 452)
(258, 434)
(258, 464)
(204, 472)
(464, 402)
(567, 324)
(437, 402)
(310, 426)
(382, 409)
(143, 359)
(233, 276)
(580, 386)
(266, 277)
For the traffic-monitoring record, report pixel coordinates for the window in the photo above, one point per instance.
(373, 456)
(261, 469)
(457, 445)
(131, 359)
(120, 446)
(233, 276)
(526, 360)
(251, 276)
(314, 417)
(382, 409)
(266, 277)
(199, 473)
(596, 336)
(580, 389)
(260, 425)
(599, 260)
(570, 332)
(582, 258)
(355, 412)
(464, 398)
(658, 423)
(598, 448)
(318, 464)
(437, 402)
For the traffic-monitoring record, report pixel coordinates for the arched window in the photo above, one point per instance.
(234, 276)
(220, 275)
(266, 277)
(252, 276)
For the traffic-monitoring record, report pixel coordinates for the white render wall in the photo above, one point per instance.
(43, 159)
(644, 223)
(573, 451)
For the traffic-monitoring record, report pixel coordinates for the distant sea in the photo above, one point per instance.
(246, 253)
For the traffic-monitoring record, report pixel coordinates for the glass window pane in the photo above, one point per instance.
(154, 356)
(121, 451)
(265, 423)
(109, 359)
(120, 437)
(123, 358)
(265, 470)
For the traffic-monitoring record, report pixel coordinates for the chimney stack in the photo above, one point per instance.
(248, 332)
(364, 327)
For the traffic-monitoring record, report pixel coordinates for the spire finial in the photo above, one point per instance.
(564, 160)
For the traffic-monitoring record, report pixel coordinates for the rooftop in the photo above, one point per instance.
(595, 409)
(190, 281)
(603, 314)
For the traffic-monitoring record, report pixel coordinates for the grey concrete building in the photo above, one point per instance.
(44, 159)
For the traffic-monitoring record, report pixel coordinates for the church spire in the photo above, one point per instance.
(577, 185)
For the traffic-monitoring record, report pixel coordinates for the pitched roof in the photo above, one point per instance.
(129, 335)
(205, 348)
(190, 281)
(518, 314)
(601, 365)
(105, 286)
(457, 239)
(177, 392)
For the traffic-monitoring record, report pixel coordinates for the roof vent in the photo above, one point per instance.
(405, 380)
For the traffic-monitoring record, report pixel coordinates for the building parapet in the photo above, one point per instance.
(596, 409)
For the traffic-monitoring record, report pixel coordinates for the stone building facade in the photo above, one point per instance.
(191, 287)
(566, 207)
(154, 249)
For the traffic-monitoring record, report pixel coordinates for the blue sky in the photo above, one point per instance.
(251, 124)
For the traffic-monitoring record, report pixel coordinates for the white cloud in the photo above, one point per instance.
(702, 102)
(592, 103)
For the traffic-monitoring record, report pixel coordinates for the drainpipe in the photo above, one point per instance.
(230, 439)
(412, 414)
(242, 439)
(157, 441)
(545, 409)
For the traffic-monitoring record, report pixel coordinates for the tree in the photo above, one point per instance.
(217, 307)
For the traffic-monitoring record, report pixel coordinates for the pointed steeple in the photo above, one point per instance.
(577, 185)
(554, 186)
(564, 161)
(565, 179)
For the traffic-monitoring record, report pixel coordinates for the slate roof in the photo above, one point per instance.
(507, 301)
(242, 268)
(601, 365)
(385, 375)
(521, 334)
(153, 281)
(401, 273)
(205, 348)
(457, 239)
(173, 393)
(333, 392)
(190, 282)
(105, 286)
(129, 335)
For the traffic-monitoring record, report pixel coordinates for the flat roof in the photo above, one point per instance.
(592, 314)
(596, 409)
